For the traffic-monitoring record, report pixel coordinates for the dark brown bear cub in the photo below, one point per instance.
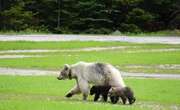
(100, 90)
(104, 91)
(124, 93)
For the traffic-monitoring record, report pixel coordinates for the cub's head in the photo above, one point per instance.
(93, 90)
(129, 94)
(113, 95)
(123, 92)
(114, 91)
(65, 73)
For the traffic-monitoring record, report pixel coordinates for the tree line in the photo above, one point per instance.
(90, 16)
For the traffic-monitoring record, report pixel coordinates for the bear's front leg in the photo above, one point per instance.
(74, 90)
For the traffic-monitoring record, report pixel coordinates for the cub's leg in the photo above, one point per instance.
(123, 99)
(105, 97)
(114, 99)
(96, 97)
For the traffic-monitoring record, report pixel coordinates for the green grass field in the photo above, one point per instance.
(46, 92)
(15, 45)
(132, 54)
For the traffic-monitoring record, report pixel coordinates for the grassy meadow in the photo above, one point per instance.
(47, 93)
(130, 57)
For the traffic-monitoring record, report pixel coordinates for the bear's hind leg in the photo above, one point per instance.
(84, 88)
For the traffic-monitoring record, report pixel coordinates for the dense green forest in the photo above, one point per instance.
(90, 16)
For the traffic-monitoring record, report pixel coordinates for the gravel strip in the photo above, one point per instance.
(32, 72)
(88, 50)
(162, 66)
(26, 72)
(64, 50)
(54, 37)
(19, 56)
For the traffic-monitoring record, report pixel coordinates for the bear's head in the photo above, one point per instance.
(93, 90)
(65, 73)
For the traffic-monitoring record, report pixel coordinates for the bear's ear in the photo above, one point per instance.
(111, 90)
(66, 66)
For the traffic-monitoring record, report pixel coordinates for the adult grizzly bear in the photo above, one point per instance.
(95, 73)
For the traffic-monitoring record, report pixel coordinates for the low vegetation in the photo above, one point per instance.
(46, 92)
(132, 57)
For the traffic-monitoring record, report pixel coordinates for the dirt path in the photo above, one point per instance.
(26, 72)
(67, 50)
(90, 49)
(19, 56)
(32, 72)
(160, 66)
(54, 37)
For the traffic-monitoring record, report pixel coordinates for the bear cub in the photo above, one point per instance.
(124, 93)
(104, 92)
(100, 90)
(114, 93)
